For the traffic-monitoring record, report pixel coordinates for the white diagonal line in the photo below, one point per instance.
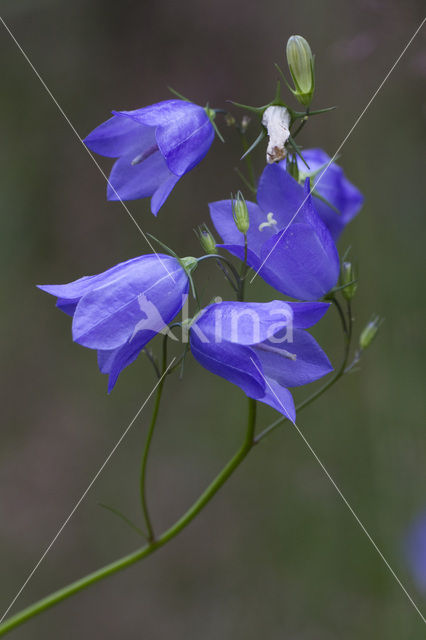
(357, 121)
(78, 503)
(341, 494)
(80, 139)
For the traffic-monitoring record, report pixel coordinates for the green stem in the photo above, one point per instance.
(231, 267)
(248, 162)
(302, 124)
(147, 447)
(124, 518)
(243, 273)
(248, 184)
(139, 554)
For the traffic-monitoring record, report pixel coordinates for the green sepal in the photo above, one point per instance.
(259, 139)
(164, 246)
(298, 150)
(178, 95)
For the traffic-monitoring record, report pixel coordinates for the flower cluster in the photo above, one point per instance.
(287, 237)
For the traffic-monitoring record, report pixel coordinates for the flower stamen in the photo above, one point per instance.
(270, 222)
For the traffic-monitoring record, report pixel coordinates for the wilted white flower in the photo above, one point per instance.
(277, 122)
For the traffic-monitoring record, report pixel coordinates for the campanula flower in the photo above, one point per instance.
(333, 189)
(261, 347)
(296, 256)
(119, 311)
(415, 550)
(155, 146)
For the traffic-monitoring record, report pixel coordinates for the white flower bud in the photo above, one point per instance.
(277, 122)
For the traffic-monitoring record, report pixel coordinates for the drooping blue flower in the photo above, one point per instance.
(296, 255)
(155, 146)
(415, 550)
(333, 187)
(261, 347)
(119, 311)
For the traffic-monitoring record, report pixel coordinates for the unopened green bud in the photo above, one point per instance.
(206, 239)
(189, 264)
(369, 332)
(348, 280)
(301, 64)
(240, 212)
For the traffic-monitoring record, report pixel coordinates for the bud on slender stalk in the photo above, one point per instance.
(206, 239)
(240, 212)
(369, 332)
(347, 280)
(292, 168)
(301, 64)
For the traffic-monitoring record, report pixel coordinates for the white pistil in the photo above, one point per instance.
(281, 352)
(277, 122)
(144, 155)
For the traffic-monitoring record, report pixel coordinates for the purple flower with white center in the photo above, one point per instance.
(333, 187)
(296, 255)
(261, 347)
(120, 310)
(155, 146)
(415, 551)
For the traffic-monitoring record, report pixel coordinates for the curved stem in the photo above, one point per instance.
(305, 118)
(139, 554)
(147, 447)
(229, 264)
(249, 162)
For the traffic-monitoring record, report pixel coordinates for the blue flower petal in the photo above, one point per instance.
(162, 113)
(292, 266)
(113, 362)
(309, 364)
(335, 188)
(130, 182)
(280, 194)
(185, 143)
(306, 314)
(279, 398)
(73, 291)
(238, 250)
(184, 132)
(118, 136)
(223, 220)
(302, 260)
(162, 193)
(230, 361)
(141, 298)
(244, 323)
(66, 306)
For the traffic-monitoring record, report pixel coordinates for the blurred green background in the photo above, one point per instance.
(276, 554)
